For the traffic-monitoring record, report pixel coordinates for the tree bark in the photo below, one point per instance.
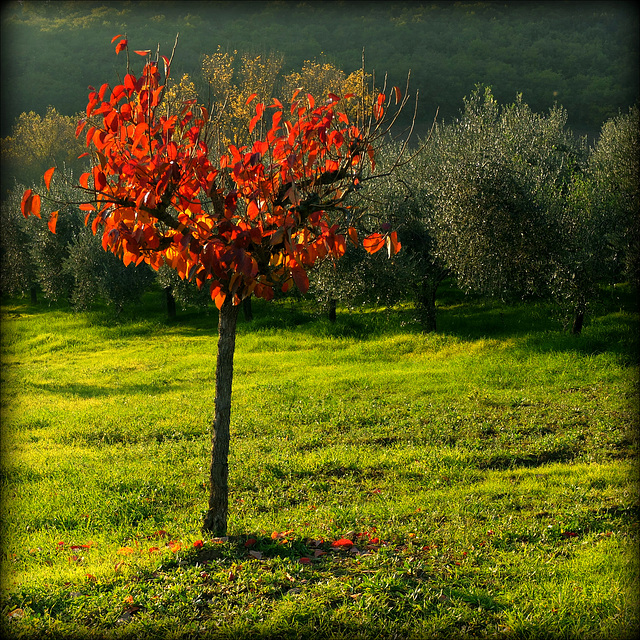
(427, 305)
(247, 309)
(34, 294)
(578, 321)
(215, 521)
(332, 310)
(171, 303)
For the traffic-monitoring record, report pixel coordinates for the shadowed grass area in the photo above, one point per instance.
(484, 477)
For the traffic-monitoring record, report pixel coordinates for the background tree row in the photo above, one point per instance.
(505, 201)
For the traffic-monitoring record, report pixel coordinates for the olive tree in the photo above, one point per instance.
(67, 265)
(614, 172)
(504, 186)
(495, 180)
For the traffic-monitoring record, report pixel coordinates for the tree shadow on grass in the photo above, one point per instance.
(88, 391)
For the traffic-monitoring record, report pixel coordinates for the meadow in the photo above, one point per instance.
(477, 482)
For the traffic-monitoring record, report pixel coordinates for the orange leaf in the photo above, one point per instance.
(398, 94)
(125, 551)
(393, 246)
(26, 203)
(143, 53)
(353, 236)
(251, 97)
(47, 176)
(35, 205)
(252, 210)
(373, 243)
(120, 46)
(53, 221)
(116, 37)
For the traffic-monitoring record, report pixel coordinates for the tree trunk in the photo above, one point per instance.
(578, 321)
(34, 294)
(171, 303)
(332, 310)
(215, 521)
(427, 305)
(247, 309)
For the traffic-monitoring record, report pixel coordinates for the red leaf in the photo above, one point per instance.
(143, 53)
(116, 37)
(130, 82)
(301, 279)
(53, 220)
(253, 123)
(343, 542)
(80, 127)
(398, 94)
(25, 205)
(120, 46)
(353, 236)
(251, 97)
(99, 180)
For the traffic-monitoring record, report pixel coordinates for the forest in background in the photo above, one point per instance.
(582, 55)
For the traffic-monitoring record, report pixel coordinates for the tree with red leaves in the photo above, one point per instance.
(255, 218)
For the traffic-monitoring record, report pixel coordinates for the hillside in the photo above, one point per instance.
(583, 55)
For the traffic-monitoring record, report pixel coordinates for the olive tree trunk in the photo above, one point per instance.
(171, 303)
(215, 520)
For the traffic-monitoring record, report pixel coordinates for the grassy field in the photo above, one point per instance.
(480, 482)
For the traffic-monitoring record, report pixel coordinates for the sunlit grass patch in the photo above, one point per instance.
(485, 477)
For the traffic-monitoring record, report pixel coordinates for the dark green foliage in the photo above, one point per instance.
(99, 275)
(69, 265)
(584, 55)
(614, 171)
(185, 293)
(17, 271)
(496, 179)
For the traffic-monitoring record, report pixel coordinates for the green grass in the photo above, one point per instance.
(487, 475)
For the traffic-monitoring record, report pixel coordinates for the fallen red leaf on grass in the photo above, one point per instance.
(343, 542)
